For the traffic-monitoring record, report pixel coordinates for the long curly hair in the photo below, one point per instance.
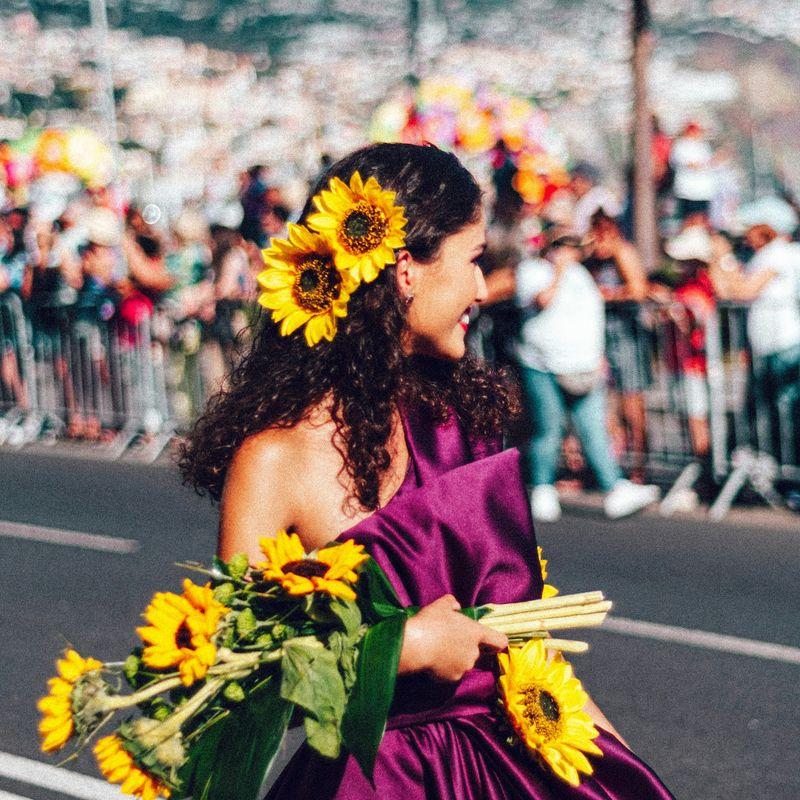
(364, 372)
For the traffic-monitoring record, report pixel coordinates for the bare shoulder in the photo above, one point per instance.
(272, 482)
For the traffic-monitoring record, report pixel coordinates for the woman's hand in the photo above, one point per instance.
(442, 641)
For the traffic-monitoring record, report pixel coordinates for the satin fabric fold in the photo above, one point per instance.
(459, 524)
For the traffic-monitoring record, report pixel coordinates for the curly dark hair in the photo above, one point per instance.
(364, 370)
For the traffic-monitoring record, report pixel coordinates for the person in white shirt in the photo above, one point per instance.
(694, 184)
(770, 282)
(561, 359)
(590, 197)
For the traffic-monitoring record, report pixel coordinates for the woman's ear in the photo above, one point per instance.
(407, 272)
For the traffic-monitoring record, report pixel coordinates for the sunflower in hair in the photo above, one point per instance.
(303, 286)
(362, 223)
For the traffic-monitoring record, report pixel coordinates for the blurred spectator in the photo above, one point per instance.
(770, 282)
(274, 222)
(232, 285)
(590, 197)
(255, 202)
(694, 186)
(615, 265)
(662, 168)
(689, 306)
(561, 353)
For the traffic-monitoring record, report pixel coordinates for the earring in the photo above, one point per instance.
(408, 299)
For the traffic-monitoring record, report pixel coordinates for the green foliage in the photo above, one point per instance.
(231, 758)
(246, 622)
(311, 680)
(368, 706)
(238, 566)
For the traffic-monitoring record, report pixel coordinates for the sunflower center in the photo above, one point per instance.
(363, 229)
(317, 284)
(183, 636)
(306, 568)
(542, 711)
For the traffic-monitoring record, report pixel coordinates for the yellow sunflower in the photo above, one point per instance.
(362, 223)
(118, 766)
(57, 723)
(181, 630)
(331, 570)
(303, 286)
(548, 590)
(545, 702)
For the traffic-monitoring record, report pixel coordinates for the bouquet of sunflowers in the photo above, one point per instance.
(225, 666)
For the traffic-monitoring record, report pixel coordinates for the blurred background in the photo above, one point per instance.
(642, 194)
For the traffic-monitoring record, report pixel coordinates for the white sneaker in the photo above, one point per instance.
(544, 503)
(627, 498)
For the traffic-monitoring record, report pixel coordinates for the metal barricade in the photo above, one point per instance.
(20, 420)
(710, 409)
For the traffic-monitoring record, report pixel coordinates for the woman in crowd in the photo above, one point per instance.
(561, 355)
(615, 265)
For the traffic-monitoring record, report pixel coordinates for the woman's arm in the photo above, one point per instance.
(633, 274)
(599, 719)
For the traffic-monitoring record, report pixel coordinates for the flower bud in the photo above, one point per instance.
(172, 752)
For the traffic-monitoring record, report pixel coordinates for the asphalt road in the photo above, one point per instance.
(713, 724)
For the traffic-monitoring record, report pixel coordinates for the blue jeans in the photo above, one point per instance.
(549, 405)
(776, 385)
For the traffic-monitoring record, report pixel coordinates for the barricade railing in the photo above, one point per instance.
(708, 405)
(710, 410)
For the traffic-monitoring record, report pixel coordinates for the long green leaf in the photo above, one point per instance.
(231, 758)
(377, 596)
(367, 709)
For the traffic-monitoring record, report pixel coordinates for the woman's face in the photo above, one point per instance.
(444, 292)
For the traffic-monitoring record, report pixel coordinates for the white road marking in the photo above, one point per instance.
(9, 796)
(89, 541)
(705, 639)
(57, 779)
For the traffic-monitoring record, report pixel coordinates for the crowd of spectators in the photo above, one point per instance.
(97, 268)
(570, 302)
(569, 294)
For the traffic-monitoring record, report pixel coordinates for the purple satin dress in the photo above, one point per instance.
(460, 523)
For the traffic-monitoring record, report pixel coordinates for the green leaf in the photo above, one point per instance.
(312, 681)
(348, 613)
(377, 596)
(368, 705)
(231, 758)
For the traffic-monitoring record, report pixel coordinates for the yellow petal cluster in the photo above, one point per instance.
(181, 630)
(118, 766)
(309, 277)
(362, 223)
(544, 702)
(331, 571)
(548, 590)
(303, 286)
(57, 723)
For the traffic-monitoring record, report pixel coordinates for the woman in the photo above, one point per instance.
(560, 351)
(373, 425)
(620, 275)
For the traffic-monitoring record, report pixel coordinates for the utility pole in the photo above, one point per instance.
(645, 225)
(413, 39)
(99, 18)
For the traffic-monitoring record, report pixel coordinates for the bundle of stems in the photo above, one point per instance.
(537, 619)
